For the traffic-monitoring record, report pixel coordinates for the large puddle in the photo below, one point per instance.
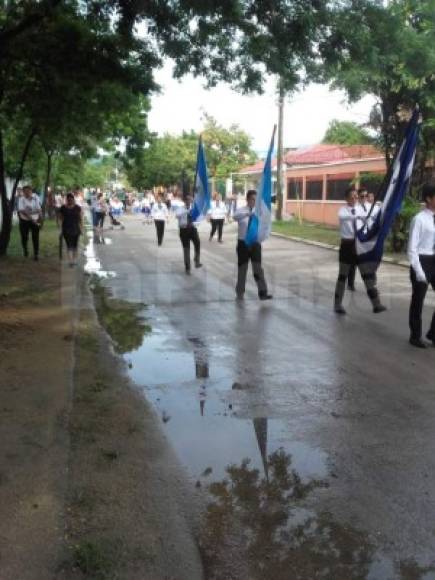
(261, 481)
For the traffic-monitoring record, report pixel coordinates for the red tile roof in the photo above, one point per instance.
(320, 154)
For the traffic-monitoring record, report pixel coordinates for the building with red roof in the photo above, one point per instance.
(317, 177)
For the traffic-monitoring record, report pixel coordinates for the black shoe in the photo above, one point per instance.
(379, 308)
(240, 297)
(417, 342)
(188, 271)
(351, 287)
(265, 296)
(198, 265)
(431, 337)
(221, 242)
(338, 309)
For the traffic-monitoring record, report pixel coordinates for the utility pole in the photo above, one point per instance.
(279, 164)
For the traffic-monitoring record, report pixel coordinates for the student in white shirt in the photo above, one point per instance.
(217, 214)
(246, 254)
(30, 216)
(421, 254)
(188, 233)
(159, 213)
(351, 218)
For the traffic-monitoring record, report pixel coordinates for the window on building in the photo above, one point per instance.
(294, 188)
(314, 188)
(337, 186)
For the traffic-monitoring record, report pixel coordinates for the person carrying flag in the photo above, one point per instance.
(249, 252)
(421, 254)
(350, 218)
(188, 233)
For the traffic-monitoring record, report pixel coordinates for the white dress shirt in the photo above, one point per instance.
(349, 218)
(182, 214)
(32, 205)
(218, 210)
(159, 211)
(421, 241)
(241, 216)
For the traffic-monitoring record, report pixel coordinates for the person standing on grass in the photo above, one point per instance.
(217, 214)
(188, 233)
(160, 214)
(71, 218)
(249, 253)
(421, 254)
(30, 219)
(350, 218)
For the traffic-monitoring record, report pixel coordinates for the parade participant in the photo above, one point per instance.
(188, 233)
(217, 214)
(421, 250)
(30, 216)
(246, 254)
(71, 217)
(100, 211)
(350, 219)
(160, 214)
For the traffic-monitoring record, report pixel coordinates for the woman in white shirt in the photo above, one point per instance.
(217, 214)
(421, 254)
(159, 213)
(30, 216)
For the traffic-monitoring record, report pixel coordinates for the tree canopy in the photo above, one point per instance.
(346, 133)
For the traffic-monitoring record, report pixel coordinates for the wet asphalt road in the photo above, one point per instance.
(346, 398)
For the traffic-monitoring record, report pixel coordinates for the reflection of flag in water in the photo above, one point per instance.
(260, 427)
(201, 201)
(260, 223)
(370, 240)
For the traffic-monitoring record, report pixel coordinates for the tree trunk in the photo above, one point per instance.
(6, 222)
(8, 205)
(47, 181)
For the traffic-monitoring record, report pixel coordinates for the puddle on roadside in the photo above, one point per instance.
(122, 320)
(256, 476)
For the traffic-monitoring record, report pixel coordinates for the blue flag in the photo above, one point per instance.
(201, 200)
(260, 223)
(370, 239)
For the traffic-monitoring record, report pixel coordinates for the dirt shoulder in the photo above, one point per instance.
(89, 488)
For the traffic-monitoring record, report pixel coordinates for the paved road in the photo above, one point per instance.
(347, 398)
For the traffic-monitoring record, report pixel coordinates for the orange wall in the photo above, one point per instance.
(322, 212)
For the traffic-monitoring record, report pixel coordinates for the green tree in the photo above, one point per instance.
(346, 133)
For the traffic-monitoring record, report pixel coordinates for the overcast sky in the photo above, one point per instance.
(307, 114)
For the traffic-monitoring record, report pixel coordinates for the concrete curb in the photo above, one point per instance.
(386, 259)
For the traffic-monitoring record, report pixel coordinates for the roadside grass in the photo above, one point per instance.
(95, 559)
(48, 241)
(308, 231)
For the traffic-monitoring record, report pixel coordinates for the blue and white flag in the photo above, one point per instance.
(370, 239)
(260, 223)
(201, 200)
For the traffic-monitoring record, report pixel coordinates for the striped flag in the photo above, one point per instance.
(260, 224)
(201, 200)
(370, 240)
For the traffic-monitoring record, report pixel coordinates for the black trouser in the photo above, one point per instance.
(419, 290)
(245, 254)
(187, 235)
(160, 229)
(351, 276)
(348, 258)
(25, 227)
(217, 225)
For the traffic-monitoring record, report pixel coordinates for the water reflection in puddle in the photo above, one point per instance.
(210, 420)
